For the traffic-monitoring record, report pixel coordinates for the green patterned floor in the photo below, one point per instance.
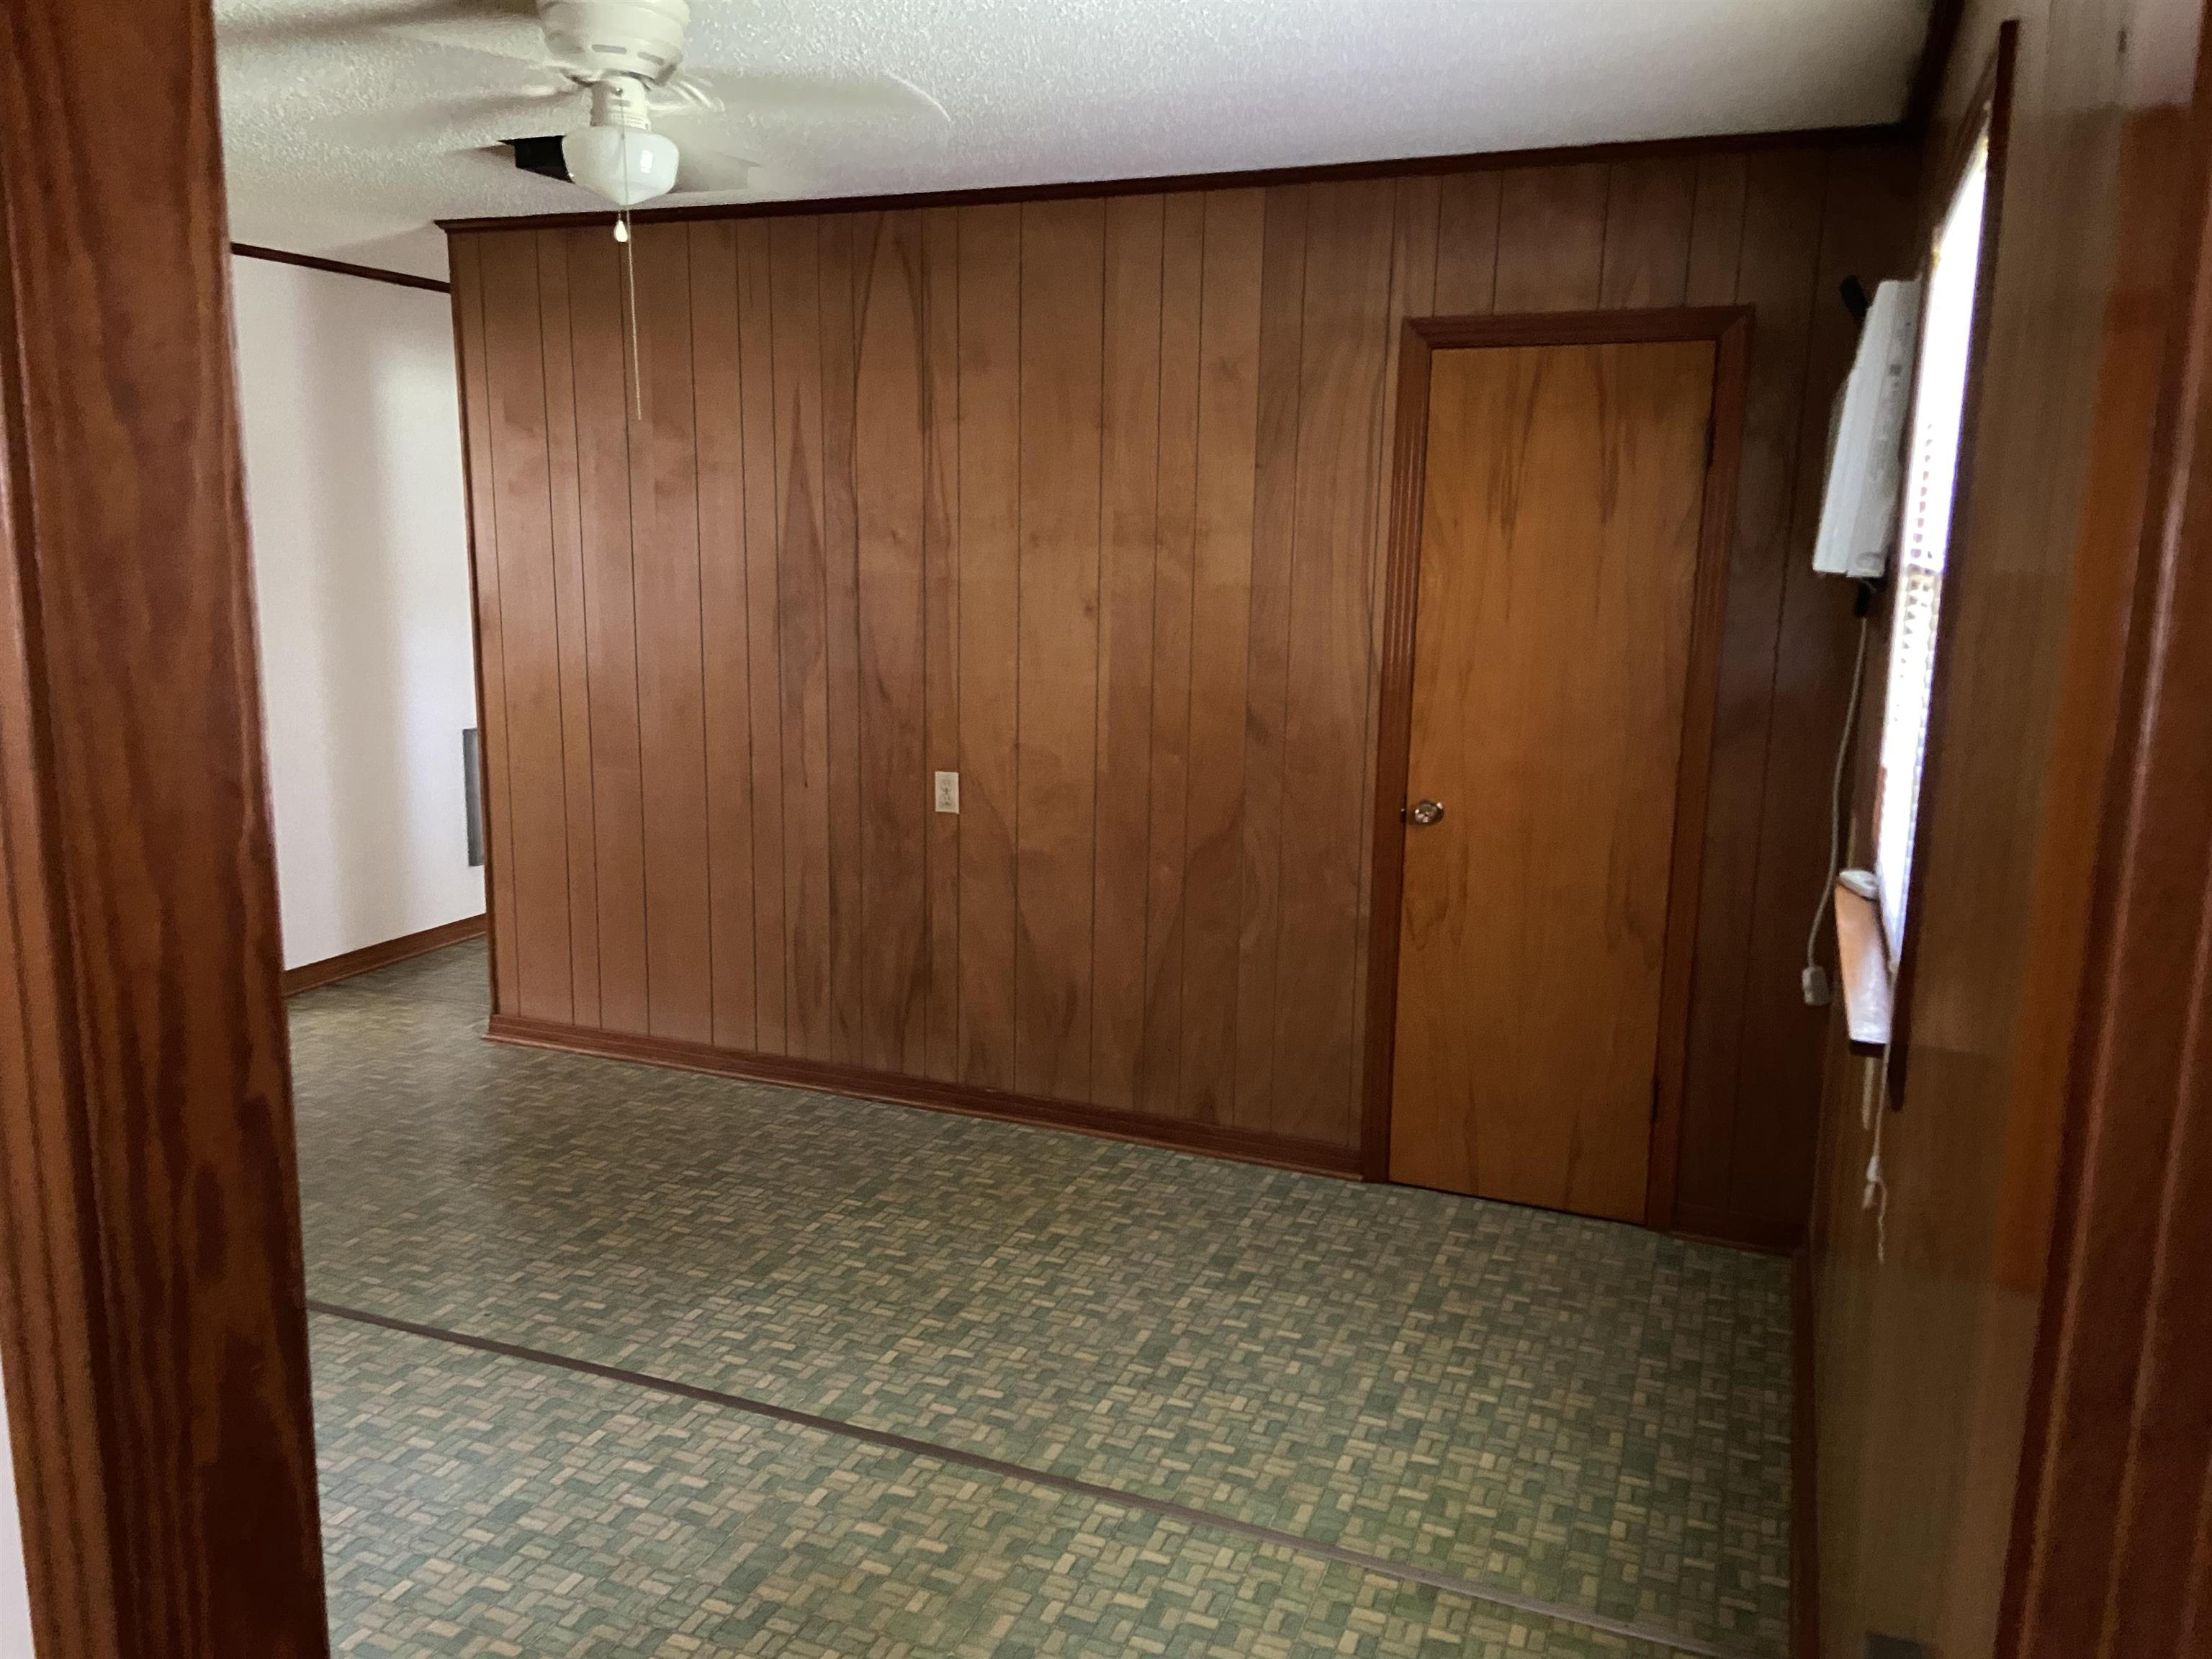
(1577, 1412)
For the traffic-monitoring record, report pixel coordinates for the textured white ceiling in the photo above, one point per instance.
(350, 124)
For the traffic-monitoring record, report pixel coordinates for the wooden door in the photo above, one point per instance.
(1557, 561)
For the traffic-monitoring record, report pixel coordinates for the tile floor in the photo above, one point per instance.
(1459, 1399)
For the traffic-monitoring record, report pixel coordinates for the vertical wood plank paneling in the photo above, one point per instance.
(672, 725)
(941, 624)
(1221, 621)
(889, 461)
(1415, 278)
(1466, 283)
(1083, 500)
(575, 662)
(1648, 213)
(1342, 397)
(755, 397)
(1716, 230)
(1128, 504)
(1159, 1057)
(845, 238)
(537, 836)
(718, 366)
(1551, 238)
(1274, 536)
(598, 347)
(1776, 272)
(990, 633)
(1063, 264)
(1867, 212)
(802, 627)
(468, 296)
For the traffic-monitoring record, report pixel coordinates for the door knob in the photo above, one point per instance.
(1426, 811)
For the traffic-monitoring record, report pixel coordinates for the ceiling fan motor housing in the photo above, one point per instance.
(591, 39)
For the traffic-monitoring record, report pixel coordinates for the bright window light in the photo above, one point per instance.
(1931, 476)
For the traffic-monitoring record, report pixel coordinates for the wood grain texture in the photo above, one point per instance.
(483, 596)
(600, 354)
(941, 505)
(572, 623)
(1160, 1054)
(889, 437)
(990, 643)
(726, 656)
(1063, 254)
(843, 236)
(1128, 505)
(1267, 673)
(795, 308)
(2062, 904)
(1342, 395)
(671, 688)
(152, 1311)
(1083, 498)
(763, 562)
(1550, 677)
(1220, 624)
(531, 753)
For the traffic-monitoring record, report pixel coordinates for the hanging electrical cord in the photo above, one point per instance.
(1814, 981)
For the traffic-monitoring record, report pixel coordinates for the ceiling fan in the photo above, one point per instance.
(654, 124)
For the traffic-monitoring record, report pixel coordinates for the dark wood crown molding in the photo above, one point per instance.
(339, 267)
(1330, 172)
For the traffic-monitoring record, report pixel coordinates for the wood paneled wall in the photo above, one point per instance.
(1928, 1305)
(1083, 497)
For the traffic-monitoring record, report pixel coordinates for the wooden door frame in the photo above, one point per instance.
(153, 1324)
(1728, 328)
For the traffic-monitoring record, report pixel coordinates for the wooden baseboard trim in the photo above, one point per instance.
(1245, 1145)
(1713, 1226)
(330, 970)
(1804, 1448)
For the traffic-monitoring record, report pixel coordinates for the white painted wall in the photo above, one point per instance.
(353, 495)
(15, 1597)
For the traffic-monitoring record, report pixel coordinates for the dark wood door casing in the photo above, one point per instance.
(152, 1314)
(1730, 330)
(1558, 556)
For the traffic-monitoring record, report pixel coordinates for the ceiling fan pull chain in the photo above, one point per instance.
(629, 291)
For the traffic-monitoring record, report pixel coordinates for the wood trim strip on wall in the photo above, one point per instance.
(1006, 1105)
(153, 1329)
(310, 975)
(338, 267)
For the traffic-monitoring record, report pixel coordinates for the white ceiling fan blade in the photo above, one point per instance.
(258, 26)
(447, 125)
(700, 172)
(881, 99)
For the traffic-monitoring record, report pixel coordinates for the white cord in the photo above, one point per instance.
(1875, 1195)
(1836, 804)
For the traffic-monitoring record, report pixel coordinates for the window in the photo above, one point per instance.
(1924, 533)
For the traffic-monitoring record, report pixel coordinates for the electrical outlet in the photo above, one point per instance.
(948, 791)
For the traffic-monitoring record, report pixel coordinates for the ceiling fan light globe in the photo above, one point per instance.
(625, 166)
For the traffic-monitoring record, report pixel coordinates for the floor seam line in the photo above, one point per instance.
(955, 1456)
